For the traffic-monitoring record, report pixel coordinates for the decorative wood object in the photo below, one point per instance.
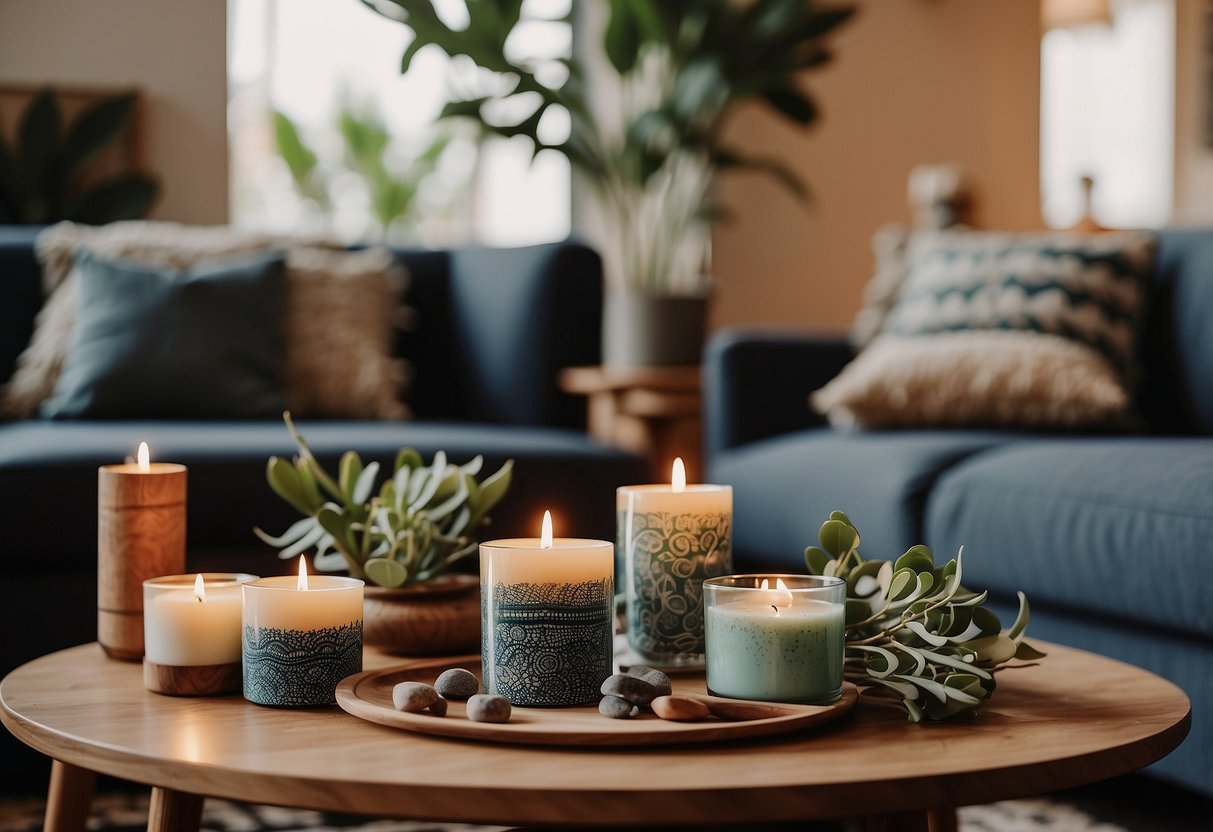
(199, 680)
(436, 618)
(1075, 718)
(140, 535)
(369, 696)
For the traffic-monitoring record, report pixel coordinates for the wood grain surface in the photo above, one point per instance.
(1073, 719)
(196, 680)
(140, 535)
(436, 618)
(368, 696)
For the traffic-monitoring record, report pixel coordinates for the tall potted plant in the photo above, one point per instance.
(679, 69)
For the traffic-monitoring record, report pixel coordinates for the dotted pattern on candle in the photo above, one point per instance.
(671, 555)
(299, 668)
(793, 657)
(551, 642)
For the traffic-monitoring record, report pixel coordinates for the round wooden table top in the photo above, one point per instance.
(1073, 719)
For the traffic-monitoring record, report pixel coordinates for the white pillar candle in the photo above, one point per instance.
(672, 538)
(548, 610)
(193, 620)
(302, 635)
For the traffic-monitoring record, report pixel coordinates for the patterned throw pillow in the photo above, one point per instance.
(984, 328)
(341, 309)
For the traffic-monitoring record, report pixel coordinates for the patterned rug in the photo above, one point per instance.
(127, 812)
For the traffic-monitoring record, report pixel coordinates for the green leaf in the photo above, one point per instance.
(40, 133)
(385, 572)
(296, 530)
(125, 197)
(1021, 619)
(992, 650)
(838, 538)
(793, 104)
(95, 128)
(365, 483)
(348, 471)
(856, 611)
(1027, 652)
(285, 481)
(816, 560)
(493, 489)
(919, 558)
(406, 458)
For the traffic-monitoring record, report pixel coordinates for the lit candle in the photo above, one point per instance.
(777, 638)
(672, 537)
(192, 620)
(547, 606)
(140, 535)
(302, 635)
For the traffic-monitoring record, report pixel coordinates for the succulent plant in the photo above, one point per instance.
(421, 521)
(912, 630)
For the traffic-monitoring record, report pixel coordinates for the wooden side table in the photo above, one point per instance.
(653, 411)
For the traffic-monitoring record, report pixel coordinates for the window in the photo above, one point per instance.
(315, 60)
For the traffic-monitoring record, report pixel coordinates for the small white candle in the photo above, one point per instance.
(193, 620)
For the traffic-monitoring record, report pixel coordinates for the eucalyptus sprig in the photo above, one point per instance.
(422, 520)
(913, 631)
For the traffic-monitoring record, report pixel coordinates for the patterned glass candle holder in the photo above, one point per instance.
(775, 638)
(673, 538)
(547, 619)
(301, 637)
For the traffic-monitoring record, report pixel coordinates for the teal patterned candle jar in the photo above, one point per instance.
(776, 638)
(547, 618)
(672, 538)
(302, 636)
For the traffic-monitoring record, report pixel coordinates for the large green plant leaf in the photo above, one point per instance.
(94, 129)
(300, 159)
(126, 197)
(39, 135)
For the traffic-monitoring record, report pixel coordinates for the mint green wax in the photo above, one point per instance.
(793, 656)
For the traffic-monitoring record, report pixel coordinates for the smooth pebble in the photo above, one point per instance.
(457, 683)
(489, 707)
(637, 691)
(413, 697)
(438, 707)
(617, 708)
(680, 709)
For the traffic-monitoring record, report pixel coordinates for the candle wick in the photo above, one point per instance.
(775, 608)
(196, 598)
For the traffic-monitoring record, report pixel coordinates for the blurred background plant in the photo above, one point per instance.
(45, 172)
(388, 178)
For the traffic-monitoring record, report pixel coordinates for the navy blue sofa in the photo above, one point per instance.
(1110, 536)
(492, 329)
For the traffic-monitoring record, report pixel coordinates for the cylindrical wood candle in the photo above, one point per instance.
(140, 535)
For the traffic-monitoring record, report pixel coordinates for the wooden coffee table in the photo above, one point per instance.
(1074, 719)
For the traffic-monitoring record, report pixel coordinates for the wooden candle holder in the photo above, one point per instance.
(140, 535)
(201, 680)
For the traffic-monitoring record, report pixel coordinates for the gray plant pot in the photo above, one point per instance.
(642, 330)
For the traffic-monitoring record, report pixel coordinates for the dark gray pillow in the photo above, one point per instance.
(148, 342)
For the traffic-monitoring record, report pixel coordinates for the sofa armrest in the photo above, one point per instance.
(757, 383)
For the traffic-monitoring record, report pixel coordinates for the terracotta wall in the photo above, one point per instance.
(1193, 100)
(914, 81)
(175, 52)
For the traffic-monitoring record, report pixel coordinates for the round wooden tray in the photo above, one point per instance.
(368, 696)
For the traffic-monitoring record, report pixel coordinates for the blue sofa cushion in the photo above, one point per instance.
(785, 488)
(48, 477)
(200, 343)
(1118, 528)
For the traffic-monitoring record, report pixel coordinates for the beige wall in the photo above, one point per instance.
(913, 81)
(175, 52)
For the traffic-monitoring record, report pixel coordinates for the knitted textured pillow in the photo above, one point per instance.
(990, 379)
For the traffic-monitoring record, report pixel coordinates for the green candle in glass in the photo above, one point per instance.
(775, 638)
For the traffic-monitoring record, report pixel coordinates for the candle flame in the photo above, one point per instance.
(678, 476)
(199, 589)
(301, 584)
(781, 596)
(545, 536)
(144, 457)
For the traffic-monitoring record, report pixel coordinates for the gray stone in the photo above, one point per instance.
(438, 707)
(617, 708)
(636, 691)
(457, 683)
(413, 697)
(489, 707)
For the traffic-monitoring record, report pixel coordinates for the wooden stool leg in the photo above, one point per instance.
(173, 811)
(69, 798)
(943, 820)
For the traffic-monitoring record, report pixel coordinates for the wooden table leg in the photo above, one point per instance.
(173, 811)
(69, 798)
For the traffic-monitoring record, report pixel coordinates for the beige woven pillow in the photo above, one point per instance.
(975, 378)
(172, 245)
(339, 329)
